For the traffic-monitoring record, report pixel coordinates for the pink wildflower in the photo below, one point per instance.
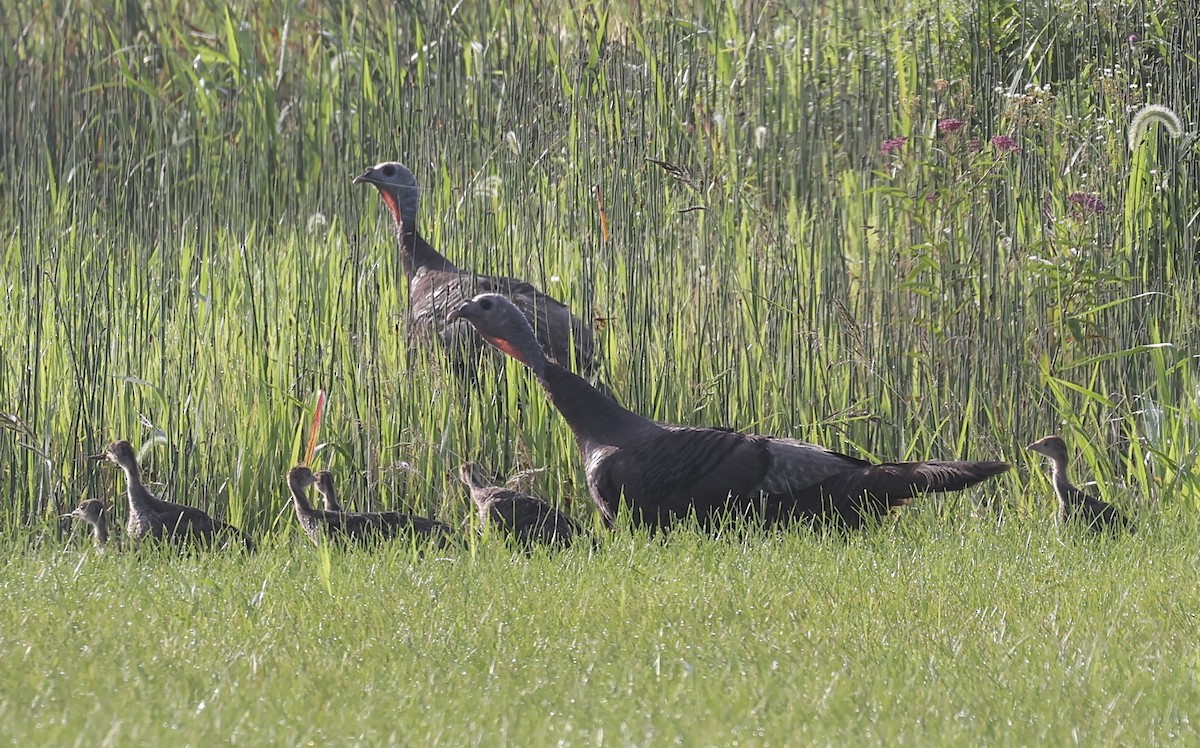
(950, 125)
(891, 146)
(1005, 144)
(1086, 203)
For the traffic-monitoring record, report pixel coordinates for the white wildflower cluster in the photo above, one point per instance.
(1160, 181)
(1032, 94)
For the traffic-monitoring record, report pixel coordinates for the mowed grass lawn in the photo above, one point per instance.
(948, 630)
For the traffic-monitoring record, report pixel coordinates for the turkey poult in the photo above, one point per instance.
(93, 511)
(437, 287)
(663, 472)
(1075, 506)
(355, 527)
(325, 487)
(528, 520)
(150, 516)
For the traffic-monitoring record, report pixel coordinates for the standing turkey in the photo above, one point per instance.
(437, 287)
(665, 473)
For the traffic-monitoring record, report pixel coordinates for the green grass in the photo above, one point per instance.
(183, 259)
(922, 632)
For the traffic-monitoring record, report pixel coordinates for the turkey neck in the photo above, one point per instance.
(475, 481)
(100, 530)
(142, 501)
(1058, 475)
(595, 420)
(299, 500)
(329, 495)
(417, 255)
(415, 252)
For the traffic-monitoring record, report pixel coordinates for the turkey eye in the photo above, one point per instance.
(388, 170)
(486, 305)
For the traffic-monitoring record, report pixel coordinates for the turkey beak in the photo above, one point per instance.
(96, 457)
(458, 311)
(66, 516)
(365, 178)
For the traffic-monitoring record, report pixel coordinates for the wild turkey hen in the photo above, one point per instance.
(1075, 506)
(664, 472)
(528, 520)
(437, 287)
